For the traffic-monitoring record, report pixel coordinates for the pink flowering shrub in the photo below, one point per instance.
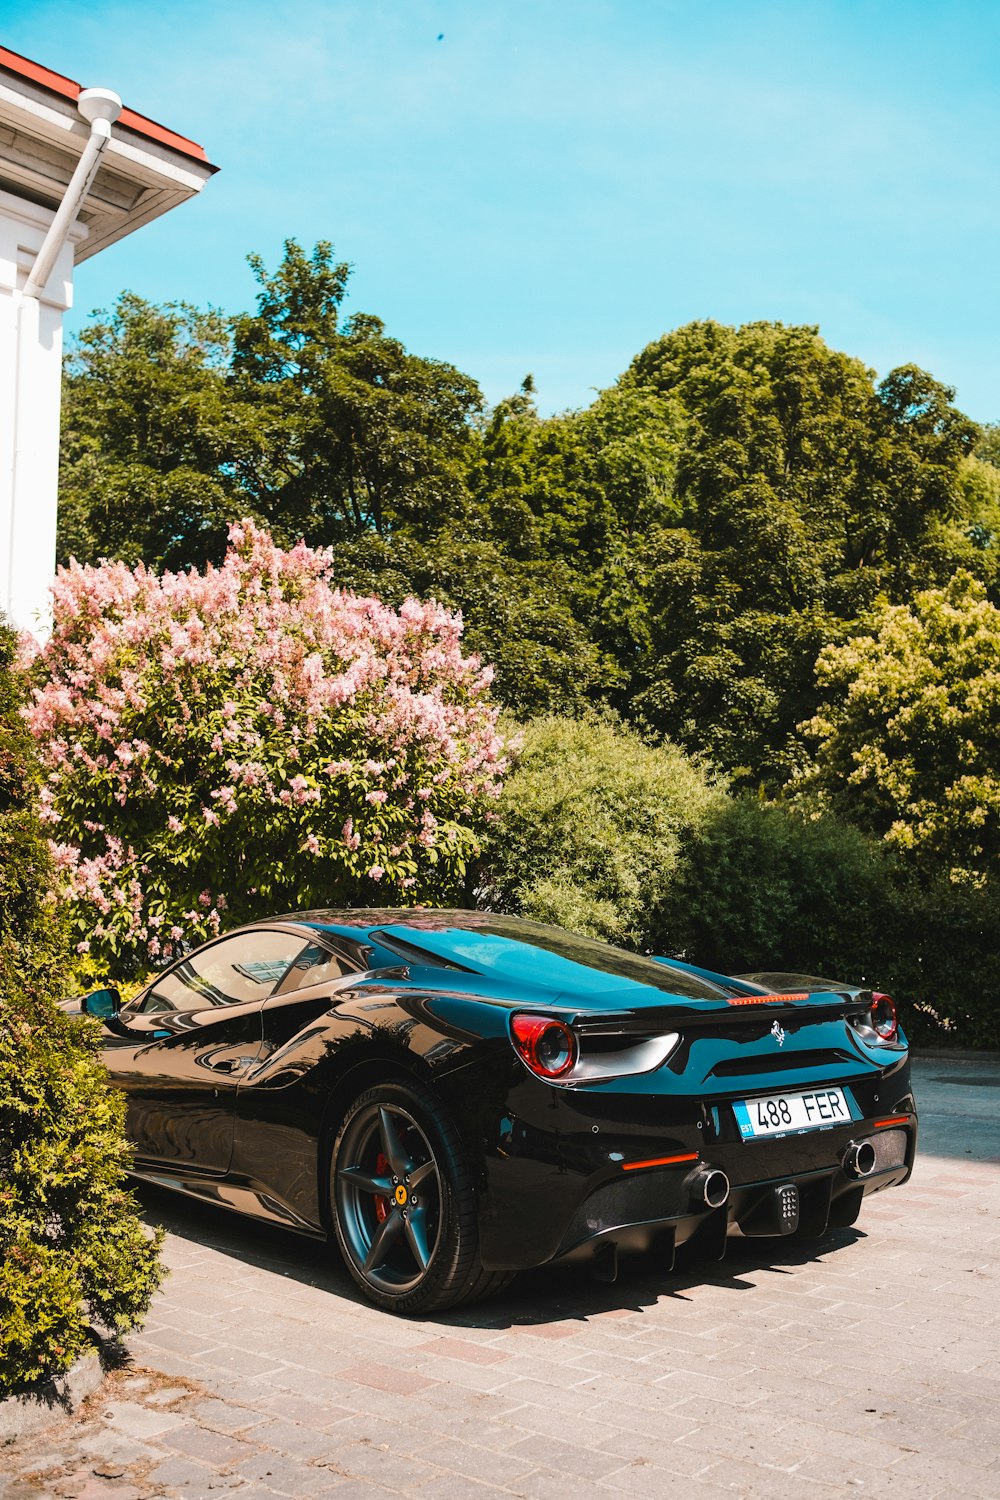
(249, 740)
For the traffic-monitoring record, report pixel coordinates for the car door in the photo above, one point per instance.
(192, 1035)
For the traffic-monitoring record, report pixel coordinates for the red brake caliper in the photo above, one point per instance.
(381, 1204)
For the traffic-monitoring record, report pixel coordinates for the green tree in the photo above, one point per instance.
(907, 736)
(149, 438)
(177, 423)
(988, 445)
(805, 491)
(353, 433)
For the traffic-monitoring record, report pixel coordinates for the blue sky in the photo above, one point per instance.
(553, 183)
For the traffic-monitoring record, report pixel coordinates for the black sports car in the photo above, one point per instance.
(457, 1095)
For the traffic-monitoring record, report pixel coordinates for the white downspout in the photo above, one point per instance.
(100, 107)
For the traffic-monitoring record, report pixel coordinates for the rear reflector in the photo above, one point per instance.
(893, 1120)
(659, 1161)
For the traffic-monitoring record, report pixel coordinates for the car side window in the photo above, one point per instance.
(315, 965)
(234, 971)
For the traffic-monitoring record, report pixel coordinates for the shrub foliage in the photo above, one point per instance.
(72, 1248)
(762, 886)
(590, 825)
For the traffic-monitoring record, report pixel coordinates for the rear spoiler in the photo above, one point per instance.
(822, 1005)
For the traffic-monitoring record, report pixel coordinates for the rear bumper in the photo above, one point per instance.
(617, 1215)
(557, 1186)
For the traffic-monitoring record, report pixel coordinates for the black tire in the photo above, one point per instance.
(413, 1247)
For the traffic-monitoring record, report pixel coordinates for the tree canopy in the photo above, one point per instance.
(804, 492)
(682, 550)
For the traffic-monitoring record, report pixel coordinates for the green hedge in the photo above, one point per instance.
(761, 886)
(72, 1248)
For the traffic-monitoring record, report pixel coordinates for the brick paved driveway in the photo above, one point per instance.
(868, 1366)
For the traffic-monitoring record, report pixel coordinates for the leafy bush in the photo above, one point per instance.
(940, 954)
(31, 932)
(589, 826)
(249, 739)
(762, 886)
(72, 1248)
(71, 1245)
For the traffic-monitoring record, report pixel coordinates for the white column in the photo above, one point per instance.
(30, 381)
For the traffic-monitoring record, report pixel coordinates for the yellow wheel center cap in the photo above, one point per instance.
(401, 1195)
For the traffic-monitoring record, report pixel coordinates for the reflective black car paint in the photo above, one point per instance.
(239, 1104)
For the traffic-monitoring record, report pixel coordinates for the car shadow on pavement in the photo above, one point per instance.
(544, 1296)
(571, 1293)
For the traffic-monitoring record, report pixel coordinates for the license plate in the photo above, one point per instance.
(776, 1114)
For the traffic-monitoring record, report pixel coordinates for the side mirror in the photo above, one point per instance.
(103, 1005)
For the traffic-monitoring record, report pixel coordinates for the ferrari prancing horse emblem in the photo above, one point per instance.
(778, 1032)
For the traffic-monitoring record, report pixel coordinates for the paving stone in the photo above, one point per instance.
(165, 1396)
(137, 1421)
(570, 1459)
(114, 1447)
(284, 1475)
(207, 1446)
(225, 1416)
(385, 1378)
(457, 1487)
(503, 1469)
(181, 1473)
(397, 1471)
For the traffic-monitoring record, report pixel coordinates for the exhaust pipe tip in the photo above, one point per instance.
(710, 1188)
(859, 1159)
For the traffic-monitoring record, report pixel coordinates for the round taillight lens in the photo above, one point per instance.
(547, 1046)
(885, 1022)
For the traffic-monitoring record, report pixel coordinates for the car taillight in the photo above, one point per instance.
(548, 1047)
(885, 1022)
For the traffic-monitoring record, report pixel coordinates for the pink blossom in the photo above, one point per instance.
(200, 692)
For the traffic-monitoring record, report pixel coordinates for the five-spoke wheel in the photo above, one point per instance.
(388, 1194)
(403, 1202)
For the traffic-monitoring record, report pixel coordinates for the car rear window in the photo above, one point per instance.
(531, 953)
